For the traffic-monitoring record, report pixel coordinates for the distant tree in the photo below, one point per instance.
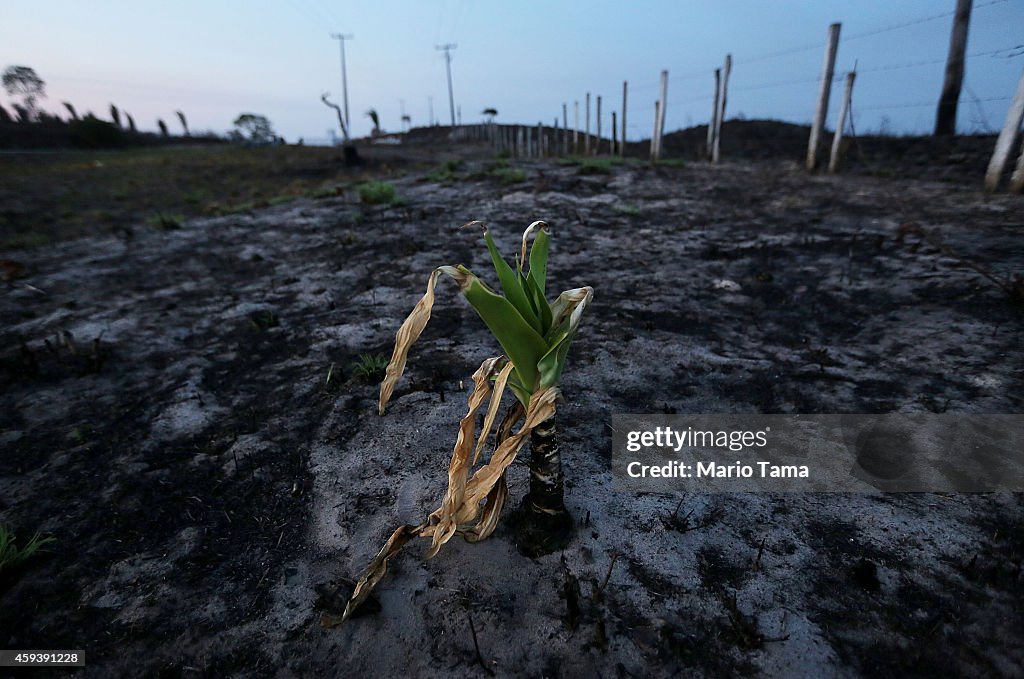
(24, 82)
(255, 128)
(5, 117)
(372, 113)
(490, 113)
(71, 110)
(21, 113)
(115, 115)
(163, 128)
(184, 123)
(131, 123)
(406, 121)
(337, 109)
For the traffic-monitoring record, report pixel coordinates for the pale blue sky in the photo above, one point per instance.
(214, 59)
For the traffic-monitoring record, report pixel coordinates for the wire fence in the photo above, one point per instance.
(648, 106)
(684, 106)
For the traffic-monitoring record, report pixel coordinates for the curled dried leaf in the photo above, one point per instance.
(492, 409)
(460, 462)
(526, 236)
(470, 508)
(409, 332)
(379, 566)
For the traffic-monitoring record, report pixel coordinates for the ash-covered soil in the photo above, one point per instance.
(181, 413)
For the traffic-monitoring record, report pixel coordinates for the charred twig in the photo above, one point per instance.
(476, 644)
(599, 589)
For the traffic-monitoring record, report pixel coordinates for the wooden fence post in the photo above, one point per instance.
(720, 116)
(1005, 142)
(837, 139)
(615, 148)
(827, 71)
(1017, 180)
(586, 137)
(945, 115)
(654, 132)
(622, 146)
(663, 100)
(565, 130)
(709, 150)
(576, 129)
(597, 144)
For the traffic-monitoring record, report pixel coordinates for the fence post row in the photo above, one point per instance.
(523, 142)
(828, 69)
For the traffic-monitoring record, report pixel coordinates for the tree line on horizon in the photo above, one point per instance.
(28, 123)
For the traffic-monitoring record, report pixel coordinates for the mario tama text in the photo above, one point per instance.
(716, 470)
(920, 452)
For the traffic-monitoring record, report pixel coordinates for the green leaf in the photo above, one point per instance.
(539, 259)
(510, 285)
(540, 305)
(552, 363)
(522, 344)
(521, 392)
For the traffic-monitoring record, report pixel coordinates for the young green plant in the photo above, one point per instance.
(535, 336)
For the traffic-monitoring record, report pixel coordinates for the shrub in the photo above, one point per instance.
(162, 222)
(377, 193)
(370, 367)
(508, 175)
(10, 555)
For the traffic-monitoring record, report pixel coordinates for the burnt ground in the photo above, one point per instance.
(181, 412)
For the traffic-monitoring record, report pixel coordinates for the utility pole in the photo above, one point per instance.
(447, 49)
(344, 77)
(945, 117)
(430, 102)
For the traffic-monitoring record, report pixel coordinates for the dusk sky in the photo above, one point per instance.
(214, 60)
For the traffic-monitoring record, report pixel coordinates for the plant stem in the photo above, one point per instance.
(544, 525)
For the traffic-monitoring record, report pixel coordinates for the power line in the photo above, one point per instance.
(920, 104)
(819, 45)
(915, 22)
(889, 67)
